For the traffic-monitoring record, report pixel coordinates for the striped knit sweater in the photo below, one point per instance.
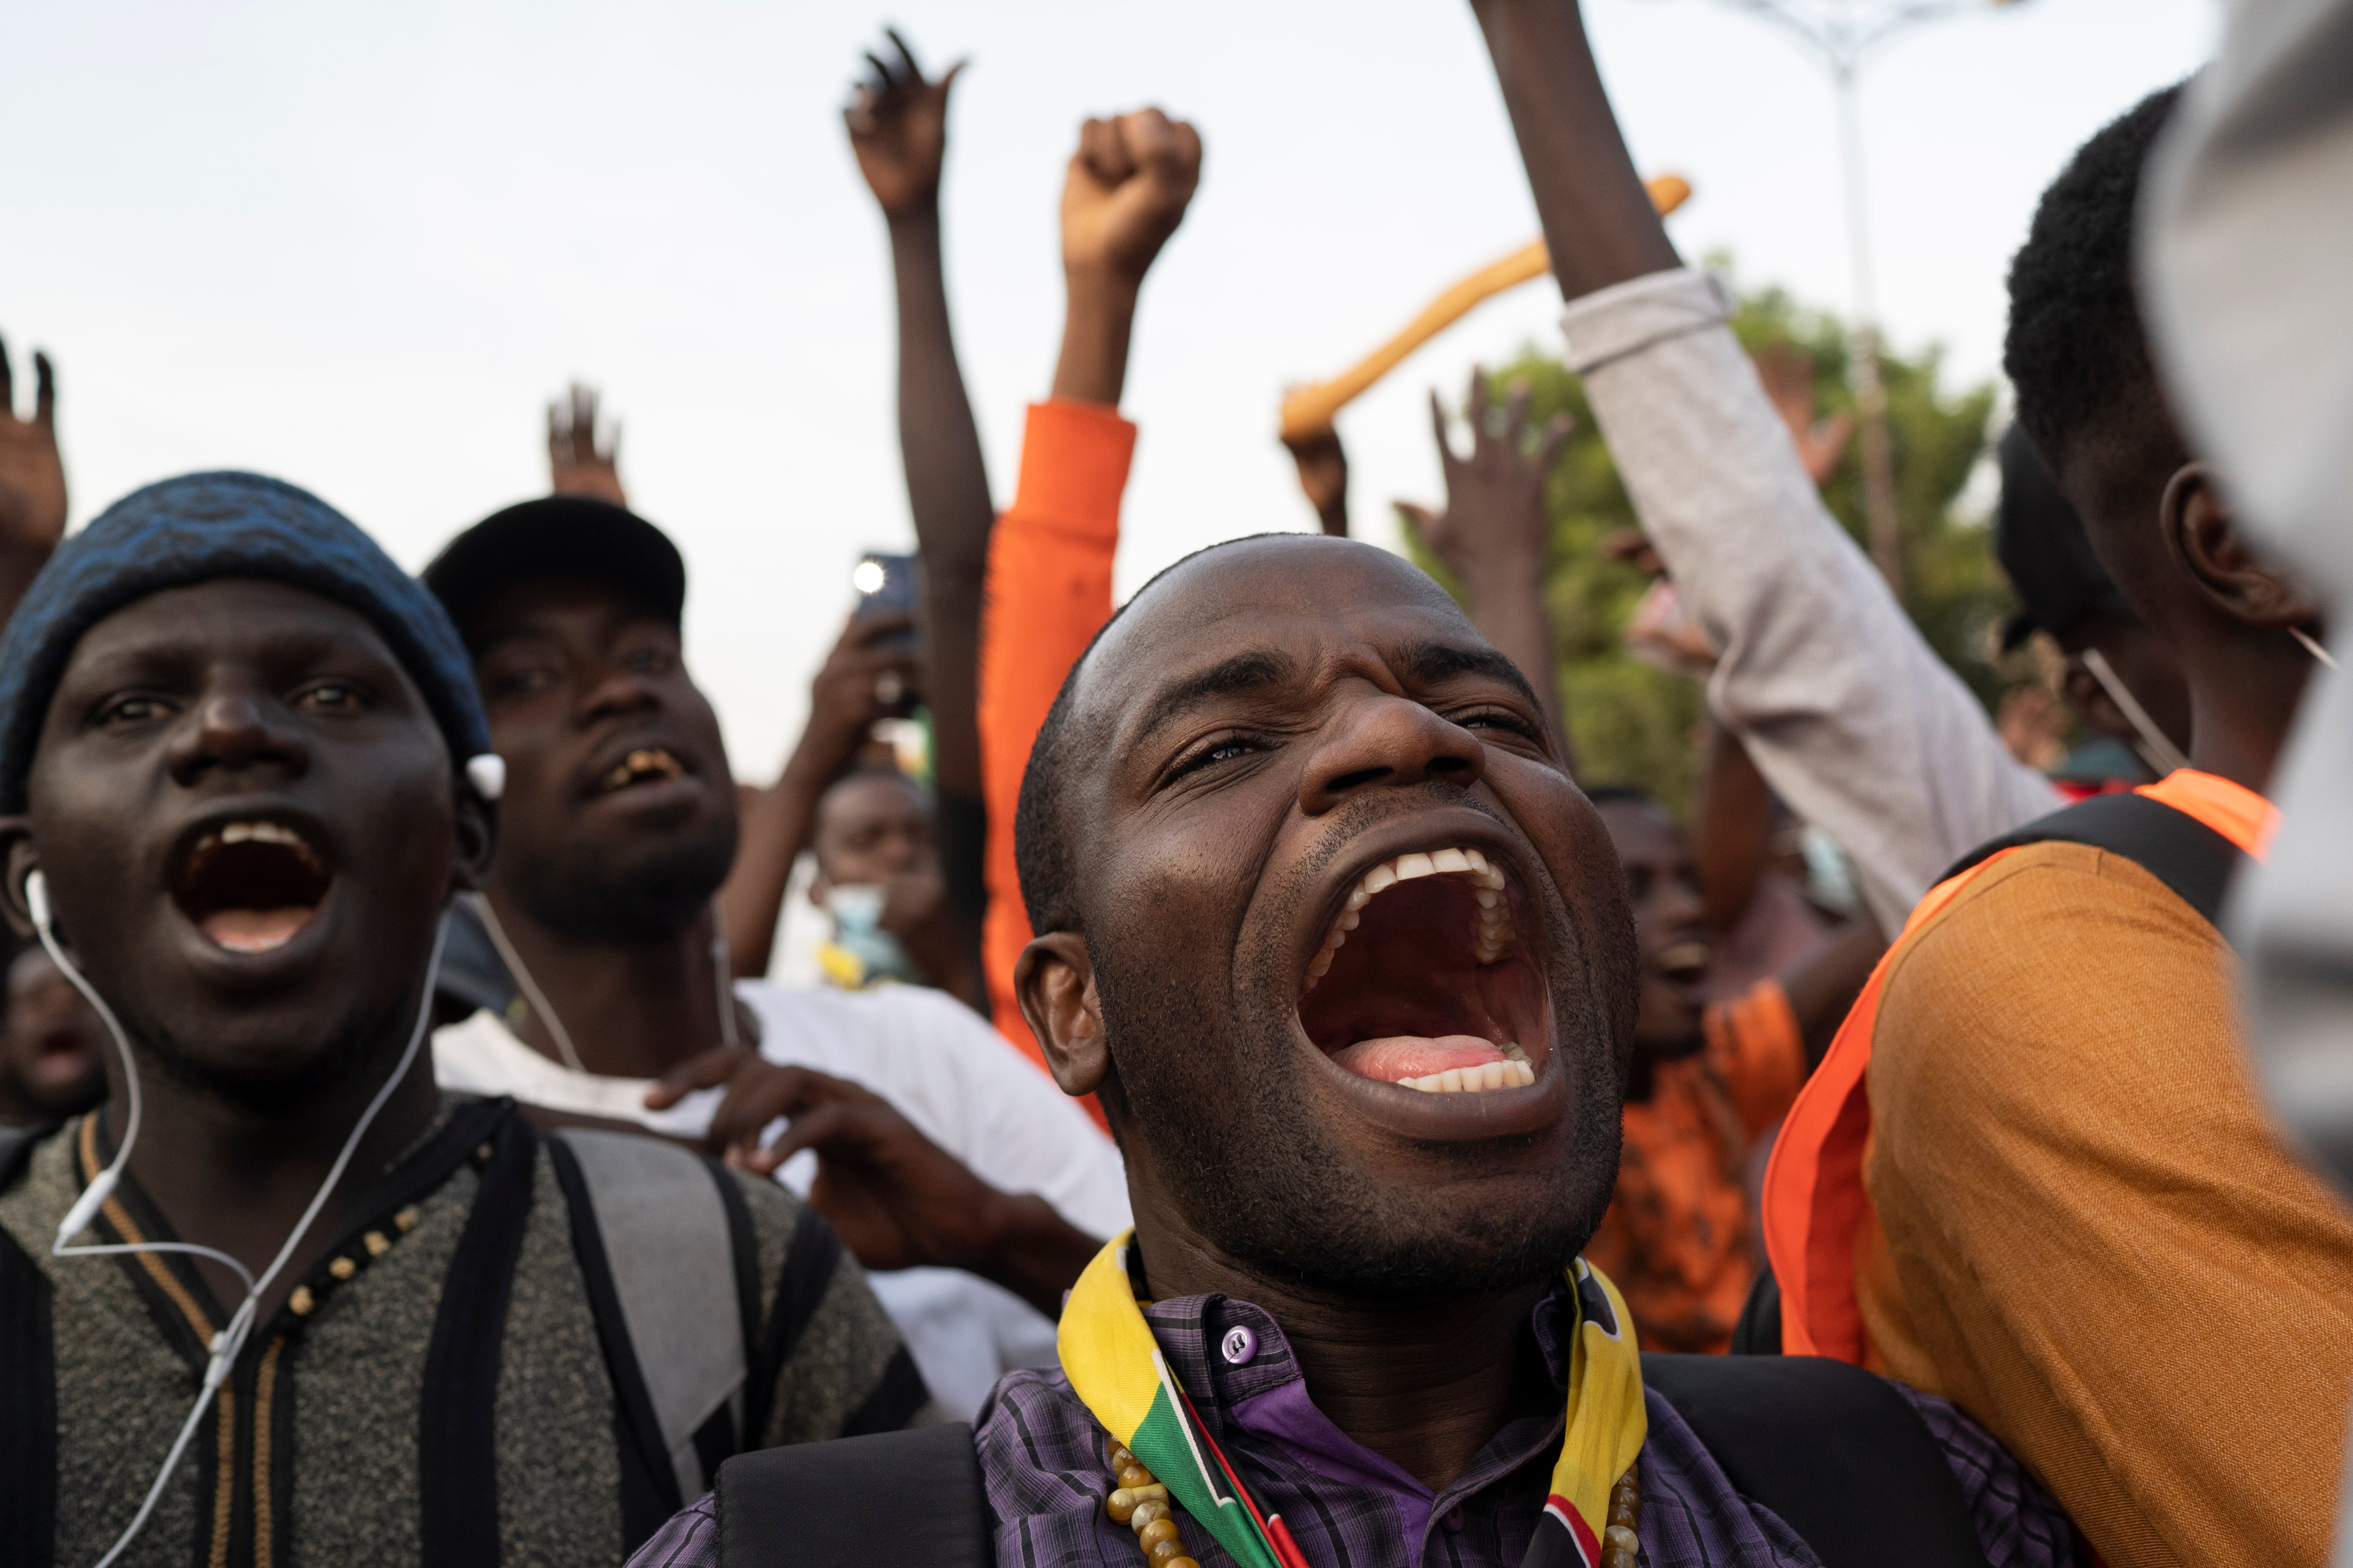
(369, 1422)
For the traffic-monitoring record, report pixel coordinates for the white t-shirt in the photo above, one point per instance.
(946, 1072)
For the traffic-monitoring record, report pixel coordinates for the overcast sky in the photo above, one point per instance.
(359, 247)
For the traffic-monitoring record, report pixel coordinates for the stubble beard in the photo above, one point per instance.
(588, 896)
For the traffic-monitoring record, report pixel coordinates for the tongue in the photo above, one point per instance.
(1415, 1056)
(254, 930)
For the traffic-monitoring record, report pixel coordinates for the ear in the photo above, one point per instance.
(1055, 979)
(2196, 521)
(478, 837)
(23, 859)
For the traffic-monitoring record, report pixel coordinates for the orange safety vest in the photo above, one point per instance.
(1815, 1206)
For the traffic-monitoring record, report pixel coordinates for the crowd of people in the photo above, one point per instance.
(1266, 1103)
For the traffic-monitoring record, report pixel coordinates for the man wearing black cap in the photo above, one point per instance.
(279, 1300)
(619, 824)
(2121, 679)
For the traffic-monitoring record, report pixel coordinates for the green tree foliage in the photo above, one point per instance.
(1633, 723)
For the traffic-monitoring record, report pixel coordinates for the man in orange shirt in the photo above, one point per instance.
(1050, 558)
(2033, 1173)
(1707, 1081)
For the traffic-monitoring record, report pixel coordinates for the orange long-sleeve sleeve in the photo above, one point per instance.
(1048, 593)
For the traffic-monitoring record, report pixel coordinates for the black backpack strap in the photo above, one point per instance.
(28, 1388)
(893, 1499)
(1836, 1452)
(2189, 857)
(17, 1146)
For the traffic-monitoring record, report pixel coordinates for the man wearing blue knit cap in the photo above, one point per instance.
(280, 1301)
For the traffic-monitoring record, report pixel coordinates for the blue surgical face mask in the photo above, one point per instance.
(857, 911)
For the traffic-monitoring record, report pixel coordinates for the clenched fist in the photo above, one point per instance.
(1126, 192)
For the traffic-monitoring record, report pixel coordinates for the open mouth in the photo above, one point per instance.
(252, 886)
(1684, 963)
(1422, 980)
(62, 1058)
(645, 764)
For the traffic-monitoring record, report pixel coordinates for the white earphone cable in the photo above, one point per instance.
(2156, 749)
(723, 962)
(530, 987)
(230, 1340)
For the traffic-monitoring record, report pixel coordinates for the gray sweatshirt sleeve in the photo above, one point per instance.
(1850, 715)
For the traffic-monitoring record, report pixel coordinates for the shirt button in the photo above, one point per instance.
(1240, 1345)
(1453, 1521)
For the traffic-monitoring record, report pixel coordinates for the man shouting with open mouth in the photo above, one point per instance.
(279, 1301)
(1349, 958)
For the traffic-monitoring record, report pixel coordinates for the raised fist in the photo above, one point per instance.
(1127, 190)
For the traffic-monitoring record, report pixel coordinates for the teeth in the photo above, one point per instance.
(258, 832)
(644, 761)
(1514, 1072)
(1489, 941)
(1511, 1053)
(1684, 958)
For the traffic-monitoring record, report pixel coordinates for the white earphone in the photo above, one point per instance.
(488, 774)
(230, 1340)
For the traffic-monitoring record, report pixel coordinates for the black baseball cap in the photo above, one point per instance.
(558, 536)
(2040, 544)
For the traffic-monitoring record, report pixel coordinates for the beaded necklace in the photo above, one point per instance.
(1162, 1456)
(1139, 1501)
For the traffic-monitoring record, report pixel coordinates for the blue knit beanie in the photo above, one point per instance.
(197, 527)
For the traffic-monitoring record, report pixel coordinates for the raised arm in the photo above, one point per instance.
(899, 131)
(1497, 531)
(862, 682)
(1322, 477)
(578, 462)
(1050, 564)
(1847, 711)
(32, 482)
(1127, 189)
(1600, 225)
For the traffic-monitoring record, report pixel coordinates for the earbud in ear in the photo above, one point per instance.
(489, 773)
(37, 898)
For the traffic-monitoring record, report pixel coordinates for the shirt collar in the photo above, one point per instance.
(1236, 1366)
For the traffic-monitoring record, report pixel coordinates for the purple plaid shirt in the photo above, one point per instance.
(1041, 1459)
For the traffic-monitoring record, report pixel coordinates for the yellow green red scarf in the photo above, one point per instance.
(1116, 1367)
